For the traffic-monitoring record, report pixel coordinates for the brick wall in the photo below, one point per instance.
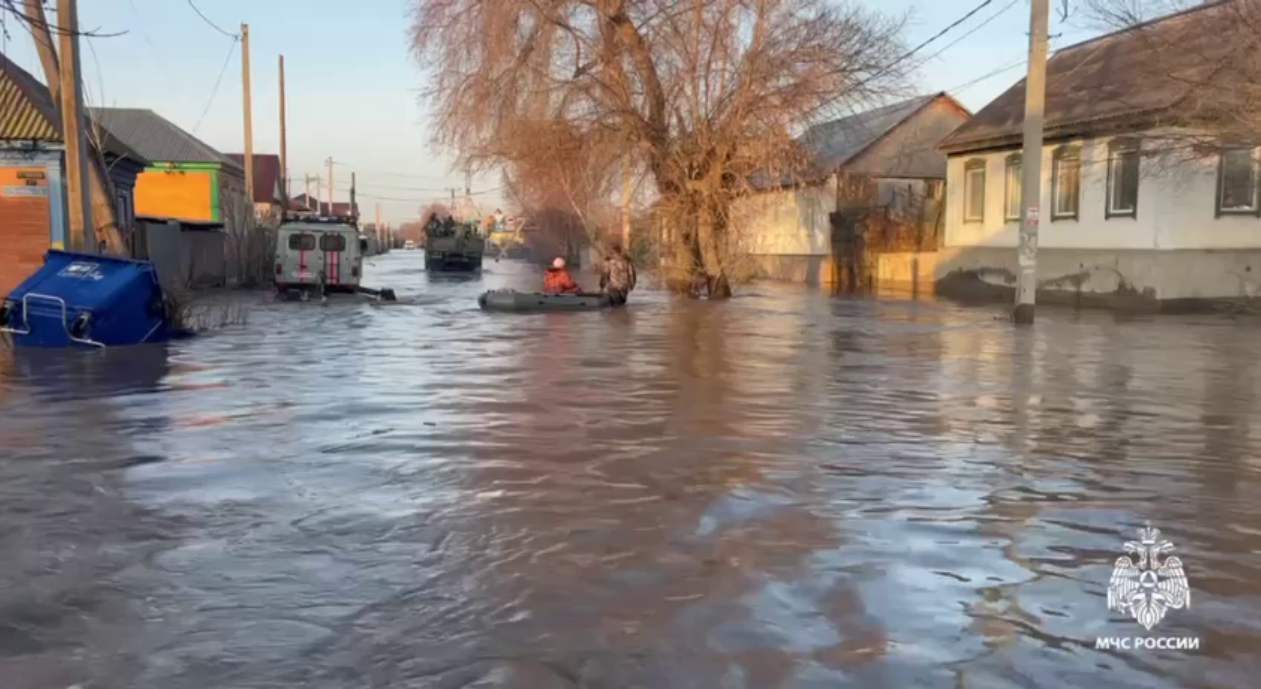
(24, 230)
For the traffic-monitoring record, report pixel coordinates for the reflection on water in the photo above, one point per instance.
(785, 490)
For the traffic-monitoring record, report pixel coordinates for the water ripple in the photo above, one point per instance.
(786, 490)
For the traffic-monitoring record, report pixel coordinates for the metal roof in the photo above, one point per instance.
(26, 109)
(1148, 74)
(27, 112)
(833, 144)
(156, 138)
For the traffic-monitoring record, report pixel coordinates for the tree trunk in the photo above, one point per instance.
(710, 233)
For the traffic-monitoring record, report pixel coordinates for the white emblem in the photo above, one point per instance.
(1148, 589)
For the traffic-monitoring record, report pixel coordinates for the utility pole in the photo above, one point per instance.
(306, 180)
(284, 149)
(377, 225)
(1031, 164)
(330, 185)
(352, 196)
(82, 235)
(626, 200)
(249, 119)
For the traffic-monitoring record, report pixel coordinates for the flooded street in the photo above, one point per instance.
(787, 490)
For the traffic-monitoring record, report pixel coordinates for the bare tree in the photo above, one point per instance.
(701, 94)
(561, 178)
(1204, 62)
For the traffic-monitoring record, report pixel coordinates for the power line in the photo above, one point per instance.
(987, 75)
(971, 31)
(374, 185)
(210, 23)
(357, 168)
(32, 23)
(215, 91)
(941, 33)
(905, 56)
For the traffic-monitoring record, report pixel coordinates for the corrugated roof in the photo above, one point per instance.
(1132, 77)
(26, 108)
(267, 183)
(833, 144)
(27, 111)
(156, 138)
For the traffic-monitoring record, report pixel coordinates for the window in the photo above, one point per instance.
(1122, 179)
(974, 191)
(1237, 182)
(302, 242)
(1011, 195)
(331, 241)
(1065, 182)
(123, 204)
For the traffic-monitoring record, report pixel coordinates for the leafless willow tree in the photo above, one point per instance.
(1200, 65)
(699, 94)
(561, 177)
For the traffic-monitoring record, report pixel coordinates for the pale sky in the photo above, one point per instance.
(351, 84)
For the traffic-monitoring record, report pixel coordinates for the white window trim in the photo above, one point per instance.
(1255, 208)
(1011, 185)
(1072, 155)
(1116, 154)
(969, 169)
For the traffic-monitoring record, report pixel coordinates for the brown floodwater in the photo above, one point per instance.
(784, 490)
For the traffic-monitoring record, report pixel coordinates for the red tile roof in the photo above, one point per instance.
(267, 176)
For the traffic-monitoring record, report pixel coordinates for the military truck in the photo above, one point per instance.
(452, 246)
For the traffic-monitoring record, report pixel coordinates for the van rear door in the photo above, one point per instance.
(297, 265)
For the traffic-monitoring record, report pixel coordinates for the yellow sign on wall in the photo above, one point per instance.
(175, 194)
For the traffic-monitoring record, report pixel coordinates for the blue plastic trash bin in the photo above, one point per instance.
(83, 300)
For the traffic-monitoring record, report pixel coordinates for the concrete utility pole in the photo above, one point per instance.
(352, 195)
(1031, 163)
(82, 235)
(284, 149)
(330, 185)
(306, 180)
(249, 118)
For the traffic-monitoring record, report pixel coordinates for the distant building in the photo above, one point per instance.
(886, 157)
(1125, 218)
(185, 178)
(269, 186)
(302, 202)
(33, 204)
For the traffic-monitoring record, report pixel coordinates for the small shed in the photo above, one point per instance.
(188, 254)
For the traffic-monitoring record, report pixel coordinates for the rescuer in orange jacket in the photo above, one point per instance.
(558, 280)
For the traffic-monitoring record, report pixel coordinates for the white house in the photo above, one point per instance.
(880, 157)
(1133, 206)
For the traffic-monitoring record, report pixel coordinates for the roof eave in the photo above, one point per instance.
(1084, 128)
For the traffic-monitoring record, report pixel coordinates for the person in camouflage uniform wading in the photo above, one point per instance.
(617, 275)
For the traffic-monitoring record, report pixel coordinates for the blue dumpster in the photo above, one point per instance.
(83, 300)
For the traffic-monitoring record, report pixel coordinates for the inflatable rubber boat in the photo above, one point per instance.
(536, 302)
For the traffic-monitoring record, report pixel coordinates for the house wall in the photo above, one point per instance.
(32, 211)
(787, 231)
(1174, 250)
(184, 191)
(910, 149)
(1176, 207)
(235, 208)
